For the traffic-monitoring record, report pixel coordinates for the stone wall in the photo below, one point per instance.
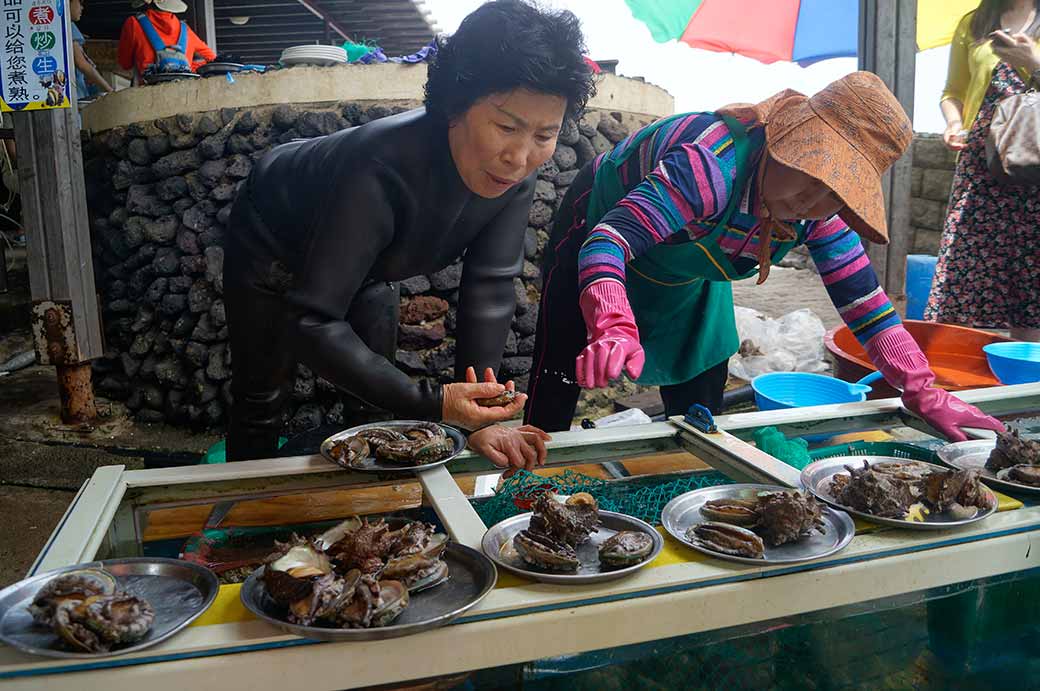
(932, 177)
(160, 194)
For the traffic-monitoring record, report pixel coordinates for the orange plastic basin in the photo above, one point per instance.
(955, 353)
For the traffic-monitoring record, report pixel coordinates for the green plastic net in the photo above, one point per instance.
(642, 497)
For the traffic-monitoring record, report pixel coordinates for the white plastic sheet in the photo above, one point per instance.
(792, 343)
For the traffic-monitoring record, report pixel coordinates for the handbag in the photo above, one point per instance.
(1013, 142)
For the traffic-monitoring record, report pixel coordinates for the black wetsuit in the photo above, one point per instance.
(318, 238)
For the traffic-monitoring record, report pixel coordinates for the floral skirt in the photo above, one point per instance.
(988, 273)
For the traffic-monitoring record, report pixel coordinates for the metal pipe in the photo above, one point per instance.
(77, 394)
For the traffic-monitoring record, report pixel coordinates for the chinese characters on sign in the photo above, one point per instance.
(34, 60)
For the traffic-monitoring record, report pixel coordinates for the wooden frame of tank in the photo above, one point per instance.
(532, 621)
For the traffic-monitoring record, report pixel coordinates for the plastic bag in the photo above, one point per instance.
(630, 416)
(792, 343)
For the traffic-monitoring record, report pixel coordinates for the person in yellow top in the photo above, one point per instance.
(987, 274)
(997, 31)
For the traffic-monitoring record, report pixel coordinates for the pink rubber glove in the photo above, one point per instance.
(613, 336)
(895, 353)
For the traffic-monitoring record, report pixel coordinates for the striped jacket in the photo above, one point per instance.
(678, 185)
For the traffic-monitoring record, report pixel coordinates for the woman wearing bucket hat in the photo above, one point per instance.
(637, 270)
(156, 39)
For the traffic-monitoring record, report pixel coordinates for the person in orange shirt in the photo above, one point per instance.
(157, 39)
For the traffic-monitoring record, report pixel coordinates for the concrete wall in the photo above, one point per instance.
(387, 83)
(930, 191)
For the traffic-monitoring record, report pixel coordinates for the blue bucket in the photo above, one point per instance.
(779, 390)
(1015, 362)
(920, 269)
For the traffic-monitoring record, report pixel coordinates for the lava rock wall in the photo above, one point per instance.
(160, 194)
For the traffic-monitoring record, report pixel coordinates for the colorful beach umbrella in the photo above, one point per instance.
(802, 31)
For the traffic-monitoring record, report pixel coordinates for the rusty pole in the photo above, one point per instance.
(75, 388)
(77, 394)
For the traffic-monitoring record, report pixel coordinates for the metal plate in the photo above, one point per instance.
(684, 512)
(816, 478)
(316, 60)
(372, 465)
(973, 454)
(218, 68)
(472, 576)
(498, 544)
(178, 591)
(161, 77)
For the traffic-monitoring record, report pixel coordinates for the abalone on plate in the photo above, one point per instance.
(727, 539)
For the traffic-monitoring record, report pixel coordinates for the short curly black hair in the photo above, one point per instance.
(509, 44)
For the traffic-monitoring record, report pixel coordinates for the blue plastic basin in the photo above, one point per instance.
(1014, 362)
(778, 390)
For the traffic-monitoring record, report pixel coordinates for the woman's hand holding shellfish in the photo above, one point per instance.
(462, 401)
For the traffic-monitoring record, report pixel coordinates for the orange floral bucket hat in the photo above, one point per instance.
(846, 136)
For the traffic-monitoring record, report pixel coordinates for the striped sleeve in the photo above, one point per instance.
(850, 279)
(688, 184)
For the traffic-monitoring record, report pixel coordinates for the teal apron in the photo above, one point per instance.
(681, 294)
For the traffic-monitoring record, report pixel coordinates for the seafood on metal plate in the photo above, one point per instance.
(424, 443)
(556, 529)
(102, 622)
(875, 491)
(350, 451)
(1022, 474)
(743, 512)
(1013, 451)
(786, 516)
(1015, 459)
(89, 612)
(958, 492)
(570, 521)
(75, 585)
(778, 517)
(908, 493)
(356, 574)
(727, 539)
(375, 603)
(502, 399)
(545, 552)
(625, 548)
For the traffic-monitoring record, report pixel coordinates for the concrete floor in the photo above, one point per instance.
(43, 462)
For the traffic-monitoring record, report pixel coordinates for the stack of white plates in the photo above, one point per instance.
(313, 55)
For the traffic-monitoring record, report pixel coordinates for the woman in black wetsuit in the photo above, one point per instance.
(324, 229)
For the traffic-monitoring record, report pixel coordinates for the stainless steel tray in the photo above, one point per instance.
(372, 465)
(973, 454)
(683, 512)
(218, 68)
(472, 576)
(498, 544)
(162, 77)
(816, 478)
(178, 590)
